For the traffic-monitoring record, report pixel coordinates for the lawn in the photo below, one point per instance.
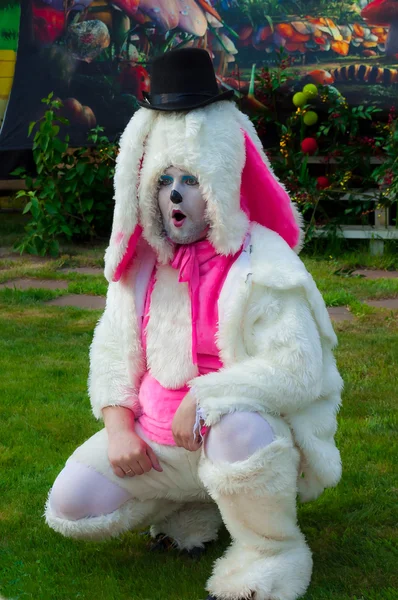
(45, 414)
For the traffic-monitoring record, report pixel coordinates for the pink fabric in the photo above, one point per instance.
(209, 269)
(264, 199)
(128, 255)
(186, 260)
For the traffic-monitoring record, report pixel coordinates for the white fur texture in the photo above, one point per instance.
(131, 515)
(276, 342)
(278, 576)
(125, 218)
(209, 143)
(269, 470)
(191, 526)
(257, 501)
(170, 328)
(275, 339)
(116, 357)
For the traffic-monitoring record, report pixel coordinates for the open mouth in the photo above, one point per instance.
(178, 218)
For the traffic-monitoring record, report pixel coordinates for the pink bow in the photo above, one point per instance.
(186, 261)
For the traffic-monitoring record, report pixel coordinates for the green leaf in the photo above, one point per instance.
(88, 204)
(44, 143)
(80, 168)
(35, 207)
(88, 177)
(53, 229)
(30, 129)
(27, 208)
(59, 146)
(18, 171)
(270, 22)
(53, 248)
(65, 229)
(51, 209)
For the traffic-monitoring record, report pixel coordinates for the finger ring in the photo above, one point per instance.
(129, 471)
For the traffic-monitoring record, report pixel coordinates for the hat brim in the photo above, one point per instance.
(186, 104)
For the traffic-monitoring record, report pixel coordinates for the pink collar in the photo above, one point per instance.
(191, 259)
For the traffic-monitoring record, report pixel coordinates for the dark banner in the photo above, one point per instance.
(94, 54)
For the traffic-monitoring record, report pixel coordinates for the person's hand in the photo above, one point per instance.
(126, 450)
(183, 424)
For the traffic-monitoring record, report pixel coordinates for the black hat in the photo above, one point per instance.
(182, 80)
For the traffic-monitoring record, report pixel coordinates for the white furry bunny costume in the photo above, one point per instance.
(274, 337)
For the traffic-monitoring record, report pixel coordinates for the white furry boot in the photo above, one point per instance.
(190, 527)
(268, 558)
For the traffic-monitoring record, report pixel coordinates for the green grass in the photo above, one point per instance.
(339, 290)
(14, 297)
(45, 414)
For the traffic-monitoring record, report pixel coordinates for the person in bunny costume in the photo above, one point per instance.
(212, 364)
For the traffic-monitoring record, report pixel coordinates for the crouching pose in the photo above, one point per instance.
(212, 364)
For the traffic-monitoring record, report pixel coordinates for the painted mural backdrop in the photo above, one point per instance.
(9, 26)
(94, 54)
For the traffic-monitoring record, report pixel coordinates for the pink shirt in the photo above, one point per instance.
(205, 271)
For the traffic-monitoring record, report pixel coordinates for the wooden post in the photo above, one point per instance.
(376, 246)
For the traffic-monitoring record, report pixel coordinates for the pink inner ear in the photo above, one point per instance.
(264, 199)
(118, 237)
(129, 253)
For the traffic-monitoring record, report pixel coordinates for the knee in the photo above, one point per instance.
(66, 496)
(79, 492)
(237, 436)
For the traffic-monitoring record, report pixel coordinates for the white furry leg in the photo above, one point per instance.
(191, 526)
(133, 514)
(244, 570)
(257, 500)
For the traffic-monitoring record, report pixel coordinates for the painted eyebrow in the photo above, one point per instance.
(166, 177)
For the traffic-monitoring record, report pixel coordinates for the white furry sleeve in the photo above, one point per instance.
(115, 356)
(283, 370)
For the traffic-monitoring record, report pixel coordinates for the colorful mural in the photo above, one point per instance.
(9, 26)
(94, 54)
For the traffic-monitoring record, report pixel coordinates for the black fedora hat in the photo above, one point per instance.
(182, 80)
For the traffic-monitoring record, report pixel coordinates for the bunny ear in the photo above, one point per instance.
(264, 198)
(126, 230)
(129, 253)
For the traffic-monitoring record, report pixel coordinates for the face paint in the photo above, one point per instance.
(182, 206)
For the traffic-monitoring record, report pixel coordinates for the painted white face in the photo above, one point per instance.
(182, 206)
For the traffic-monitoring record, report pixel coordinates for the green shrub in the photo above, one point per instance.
(348, 140)
(71, 197)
